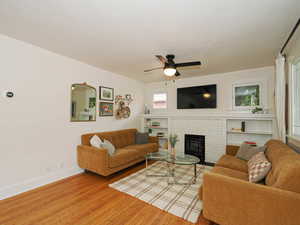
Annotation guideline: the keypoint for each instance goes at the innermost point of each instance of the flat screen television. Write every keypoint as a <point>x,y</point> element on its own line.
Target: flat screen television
<point>198,97</point>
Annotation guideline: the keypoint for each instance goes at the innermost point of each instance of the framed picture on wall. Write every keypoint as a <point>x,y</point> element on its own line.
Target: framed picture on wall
<point>247,96</point>
<point>106,93</point>
<point>106,109</point>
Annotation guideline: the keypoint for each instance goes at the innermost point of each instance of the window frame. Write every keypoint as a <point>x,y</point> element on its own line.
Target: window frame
<point>292,83</point>
<point>156,93</point>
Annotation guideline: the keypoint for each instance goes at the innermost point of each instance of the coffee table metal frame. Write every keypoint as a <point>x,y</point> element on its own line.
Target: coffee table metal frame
<point>170,164</point>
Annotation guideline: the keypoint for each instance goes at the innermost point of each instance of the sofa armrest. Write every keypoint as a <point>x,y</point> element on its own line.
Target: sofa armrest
<point>232,149</point>
<point>91,158</point>
<point>231,201</point>
<point>153,139</point>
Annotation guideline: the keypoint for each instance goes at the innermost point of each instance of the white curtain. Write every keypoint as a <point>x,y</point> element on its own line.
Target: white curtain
<point>280,97</point>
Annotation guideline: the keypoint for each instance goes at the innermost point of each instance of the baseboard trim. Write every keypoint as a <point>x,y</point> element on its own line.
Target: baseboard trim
<point>15,189</point>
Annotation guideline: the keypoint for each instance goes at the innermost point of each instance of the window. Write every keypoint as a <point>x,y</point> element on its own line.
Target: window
<point>159,101</point>
<point>296,98</point>
<point>246,96</point>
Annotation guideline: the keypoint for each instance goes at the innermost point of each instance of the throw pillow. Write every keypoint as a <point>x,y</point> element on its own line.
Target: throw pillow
<point>246,151</point>
<point>141,138</point>
<point>109,147</point>
<point>258,167</point>
<point>95,141</point>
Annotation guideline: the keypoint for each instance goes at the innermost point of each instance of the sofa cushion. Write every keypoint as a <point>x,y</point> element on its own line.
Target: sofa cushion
<point>96,141</point>
<point>232,162</point>
<point>274,153</point>
<point>109,147</point>
<point>286,174</point>
<point>122,157</point>
<point>141,138</point>
<point>119,138</point>
<point>144,148</point>
<point>230,173</point>
<point>246,151</point>
<point>258,167</point>
<point>226,172</point>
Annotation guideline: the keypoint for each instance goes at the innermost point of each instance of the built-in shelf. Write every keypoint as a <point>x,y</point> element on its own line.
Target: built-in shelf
<point>234,143</point>
<point>258,130</point>
<point>161,128</point>
<point>250,132</point>
<point>156,127</point>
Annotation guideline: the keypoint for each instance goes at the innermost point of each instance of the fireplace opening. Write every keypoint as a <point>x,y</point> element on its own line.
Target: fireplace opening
<point>195,145</point>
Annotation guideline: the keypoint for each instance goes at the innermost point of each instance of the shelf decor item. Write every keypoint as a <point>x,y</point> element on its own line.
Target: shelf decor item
<point>106,93</point>
<point>173,139</point>
<point>155,124</point>
<point>243,126</point>
<point>160,134</point>
<point>257,110</point>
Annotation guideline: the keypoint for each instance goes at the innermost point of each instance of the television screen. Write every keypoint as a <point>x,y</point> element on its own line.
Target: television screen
<point>199,97</point>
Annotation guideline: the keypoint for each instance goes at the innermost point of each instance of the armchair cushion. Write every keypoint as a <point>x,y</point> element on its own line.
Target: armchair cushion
<point>231,162</point>
<point>226,172</point>
<point>246,151</point>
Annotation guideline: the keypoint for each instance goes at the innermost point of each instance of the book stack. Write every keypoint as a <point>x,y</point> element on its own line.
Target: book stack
<point>252,143</point>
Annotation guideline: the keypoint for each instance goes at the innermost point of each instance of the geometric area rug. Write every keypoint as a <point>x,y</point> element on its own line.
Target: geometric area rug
<point>179,200</point>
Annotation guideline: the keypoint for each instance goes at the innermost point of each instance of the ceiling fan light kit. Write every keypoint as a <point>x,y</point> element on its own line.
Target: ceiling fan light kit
<point>170,67</point>
<point>169,71</point>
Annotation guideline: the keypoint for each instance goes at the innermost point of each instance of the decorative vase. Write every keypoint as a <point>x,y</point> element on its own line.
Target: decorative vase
<point>173,152</point>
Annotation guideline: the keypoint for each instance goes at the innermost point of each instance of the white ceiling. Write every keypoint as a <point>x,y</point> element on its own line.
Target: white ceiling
<point>123,36</point>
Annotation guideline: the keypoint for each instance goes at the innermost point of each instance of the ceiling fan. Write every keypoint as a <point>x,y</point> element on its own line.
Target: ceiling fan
<point>170,67</point>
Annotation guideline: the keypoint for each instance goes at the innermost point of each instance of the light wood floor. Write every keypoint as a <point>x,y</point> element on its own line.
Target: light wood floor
<point>84,199</point>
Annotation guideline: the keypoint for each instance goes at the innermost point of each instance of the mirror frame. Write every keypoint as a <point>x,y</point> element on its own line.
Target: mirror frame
<point>82,84</point>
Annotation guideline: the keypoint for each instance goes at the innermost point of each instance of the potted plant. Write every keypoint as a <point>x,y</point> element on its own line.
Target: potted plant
<point>173,139</point>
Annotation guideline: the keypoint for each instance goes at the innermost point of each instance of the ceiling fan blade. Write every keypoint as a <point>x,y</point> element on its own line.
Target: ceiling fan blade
<point>196,63</point>
<point>149,70</point>
<point>177,73</point>
<point>162,59</point>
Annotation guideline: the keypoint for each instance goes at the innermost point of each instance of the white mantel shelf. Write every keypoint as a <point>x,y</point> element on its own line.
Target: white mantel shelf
<point>243,116</point>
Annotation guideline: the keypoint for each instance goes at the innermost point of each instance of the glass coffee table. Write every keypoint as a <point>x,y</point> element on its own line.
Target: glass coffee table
<point>157,156</point>
<point>171,162</point>
<point>184,159</point>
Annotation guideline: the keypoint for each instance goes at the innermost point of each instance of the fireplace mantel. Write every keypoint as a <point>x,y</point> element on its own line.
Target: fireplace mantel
<point>216,127</point>
<point>235,115</point>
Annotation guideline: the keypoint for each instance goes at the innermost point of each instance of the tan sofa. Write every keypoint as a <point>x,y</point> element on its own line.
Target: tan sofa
<point>229,199</point>
<point>127,152</point>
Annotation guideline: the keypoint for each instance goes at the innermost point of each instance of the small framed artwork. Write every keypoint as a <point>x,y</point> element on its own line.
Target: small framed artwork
<point>247,96</point>
<point>106,109</point>
<point>106,93</point>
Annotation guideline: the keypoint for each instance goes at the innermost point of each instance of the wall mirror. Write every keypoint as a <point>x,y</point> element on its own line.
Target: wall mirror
<point>83,103</point>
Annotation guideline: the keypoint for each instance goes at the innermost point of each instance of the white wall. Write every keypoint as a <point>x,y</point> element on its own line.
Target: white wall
<point>38,141</point>
<point>224,83</point>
